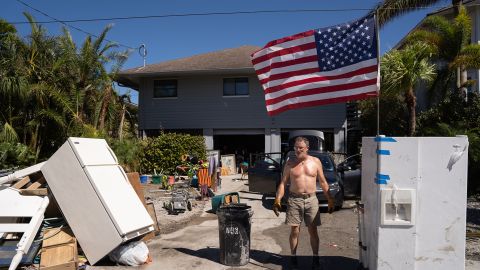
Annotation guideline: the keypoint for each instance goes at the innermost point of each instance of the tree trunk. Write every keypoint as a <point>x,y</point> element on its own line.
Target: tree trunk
<point>103,111</point>
<point>122,119</point>
<point>462,78</point>
<point>411,104</point>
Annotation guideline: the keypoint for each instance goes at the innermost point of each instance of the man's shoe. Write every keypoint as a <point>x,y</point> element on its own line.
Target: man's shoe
<point>293,262</point>
<point>316,263</point>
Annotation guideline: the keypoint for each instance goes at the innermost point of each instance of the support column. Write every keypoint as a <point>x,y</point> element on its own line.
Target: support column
<point>272,140</point>
<point>208,135</point>
<point>339,140</point>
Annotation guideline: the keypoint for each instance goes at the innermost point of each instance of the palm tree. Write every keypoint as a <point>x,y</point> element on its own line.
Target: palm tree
<point>391,9</point>
<point>450,45</point>
<point>118,59</point>
<point>13,83</point>
<point>402,70</point>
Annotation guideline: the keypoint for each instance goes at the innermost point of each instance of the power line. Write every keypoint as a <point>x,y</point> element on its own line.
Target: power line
<point>207,14</point>
<point>68,25</point>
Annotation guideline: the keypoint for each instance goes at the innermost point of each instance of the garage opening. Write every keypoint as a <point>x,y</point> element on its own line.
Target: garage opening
<point>239,145</point>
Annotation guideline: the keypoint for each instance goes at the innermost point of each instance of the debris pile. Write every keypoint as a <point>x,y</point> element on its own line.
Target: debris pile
<point>76,208</point>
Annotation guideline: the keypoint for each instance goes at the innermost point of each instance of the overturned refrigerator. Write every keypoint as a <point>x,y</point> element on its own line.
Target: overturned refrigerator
<point>414,193</point>
<point>95,196</point>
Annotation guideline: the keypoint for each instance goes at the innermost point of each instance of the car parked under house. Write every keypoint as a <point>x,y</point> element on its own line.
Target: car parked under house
<point>265,174</point>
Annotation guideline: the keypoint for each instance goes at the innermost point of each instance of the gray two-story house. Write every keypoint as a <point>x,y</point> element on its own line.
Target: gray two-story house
<point>218,95</point>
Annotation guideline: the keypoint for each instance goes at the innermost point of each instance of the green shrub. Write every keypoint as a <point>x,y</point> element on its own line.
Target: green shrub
<point>164,152</point>
<point>15,155</point>
<point>128,152</point>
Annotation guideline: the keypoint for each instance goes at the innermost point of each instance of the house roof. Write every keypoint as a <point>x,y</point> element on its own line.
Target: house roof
<point>225,61</point>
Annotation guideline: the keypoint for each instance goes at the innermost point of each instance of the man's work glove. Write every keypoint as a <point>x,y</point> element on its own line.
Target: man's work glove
<point>277,207</point>
<point>331,205</point>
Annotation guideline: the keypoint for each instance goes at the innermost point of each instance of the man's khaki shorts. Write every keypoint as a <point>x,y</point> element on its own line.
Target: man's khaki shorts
<point>300,209</point>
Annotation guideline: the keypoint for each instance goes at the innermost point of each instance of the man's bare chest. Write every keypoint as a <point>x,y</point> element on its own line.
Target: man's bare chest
<point>303,169</point>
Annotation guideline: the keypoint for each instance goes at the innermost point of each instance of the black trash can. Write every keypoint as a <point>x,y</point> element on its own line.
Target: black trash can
<point>234,222</point>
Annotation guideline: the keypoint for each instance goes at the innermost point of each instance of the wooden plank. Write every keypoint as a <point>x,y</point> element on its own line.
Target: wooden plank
<point>37,184</point>
<point>153,214</point>
<point>21,183</point>
<point>59,250</point>
<point>151,211</point>
<point>34,192</point>
<point>58,236</point>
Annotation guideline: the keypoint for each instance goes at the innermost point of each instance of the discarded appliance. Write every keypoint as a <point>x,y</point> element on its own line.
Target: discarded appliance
<point>414,194</point>
<point>179,203</point>
<point>95,196</point>
<point>14,209</point>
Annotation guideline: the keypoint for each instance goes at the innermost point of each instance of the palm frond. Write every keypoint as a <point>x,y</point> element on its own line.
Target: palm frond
<point>48,114</point>
<point>388,10</point>
<point>463,27</point>
<point>469,57</point>
<point>98,42</point>
<point>8,134</point>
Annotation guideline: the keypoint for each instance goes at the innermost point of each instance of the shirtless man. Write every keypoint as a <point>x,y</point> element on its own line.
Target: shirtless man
<point>302,173</point>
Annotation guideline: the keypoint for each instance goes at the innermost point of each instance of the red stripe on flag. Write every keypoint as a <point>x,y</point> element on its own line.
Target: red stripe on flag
<point>286,39</point>
<point>325,89</point>
<point>290,74</point>
<point>322,102</point>
<point>290,50</point>
<point>303,60</point>
<point>321,78</point>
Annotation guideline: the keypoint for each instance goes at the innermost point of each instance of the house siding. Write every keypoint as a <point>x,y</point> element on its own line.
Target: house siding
<point>200,104</point>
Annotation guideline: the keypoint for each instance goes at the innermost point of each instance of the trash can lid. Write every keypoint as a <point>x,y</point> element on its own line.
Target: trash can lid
<point>235,206</point>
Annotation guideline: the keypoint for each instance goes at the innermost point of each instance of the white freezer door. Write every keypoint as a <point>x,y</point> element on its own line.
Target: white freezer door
<point>92,151</point>
<point>119,198</point>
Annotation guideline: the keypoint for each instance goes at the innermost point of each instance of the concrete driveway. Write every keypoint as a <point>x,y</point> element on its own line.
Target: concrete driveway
<point>197,245</point>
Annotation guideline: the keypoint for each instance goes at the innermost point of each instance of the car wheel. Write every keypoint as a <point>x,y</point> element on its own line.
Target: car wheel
<point>339,198</point>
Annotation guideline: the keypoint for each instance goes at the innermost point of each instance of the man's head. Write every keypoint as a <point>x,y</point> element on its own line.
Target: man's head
<point>301,147</point>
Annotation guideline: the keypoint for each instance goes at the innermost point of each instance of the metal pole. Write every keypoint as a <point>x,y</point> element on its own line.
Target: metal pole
<point>379,77</point>
<point>142,50</point>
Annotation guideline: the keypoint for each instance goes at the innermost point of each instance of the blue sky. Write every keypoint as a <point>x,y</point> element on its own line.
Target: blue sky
<point>177,37</point>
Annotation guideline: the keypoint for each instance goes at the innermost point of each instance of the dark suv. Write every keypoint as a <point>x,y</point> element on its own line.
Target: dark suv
<point>265,175</point>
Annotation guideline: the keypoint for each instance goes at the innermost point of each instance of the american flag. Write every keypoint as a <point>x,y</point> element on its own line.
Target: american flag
<point>322,66</point>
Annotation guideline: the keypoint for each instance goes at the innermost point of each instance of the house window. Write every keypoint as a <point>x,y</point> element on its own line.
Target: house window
<point>164,88</point>
<point>235,87</point>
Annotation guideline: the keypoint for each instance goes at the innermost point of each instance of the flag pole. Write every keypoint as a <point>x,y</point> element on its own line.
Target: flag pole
<point>379,77</point>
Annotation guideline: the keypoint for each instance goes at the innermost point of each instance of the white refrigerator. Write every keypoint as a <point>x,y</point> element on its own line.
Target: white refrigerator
<point>95,196</point>
<point>414,192</point>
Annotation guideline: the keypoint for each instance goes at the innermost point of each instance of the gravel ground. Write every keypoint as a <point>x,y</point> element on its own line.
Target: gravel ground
<point>472,250</point>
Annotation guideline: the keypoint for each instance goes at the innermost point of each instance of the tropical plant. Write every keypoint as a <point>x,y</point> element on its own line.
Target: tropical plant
<point>391,9</point>
<point>402,70</point>
<point>165,151</point>
<point>393,116</point>
<point>450,45</point>
<point>14,155</point>
<point>50,89</point>
<point>127,151</point>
